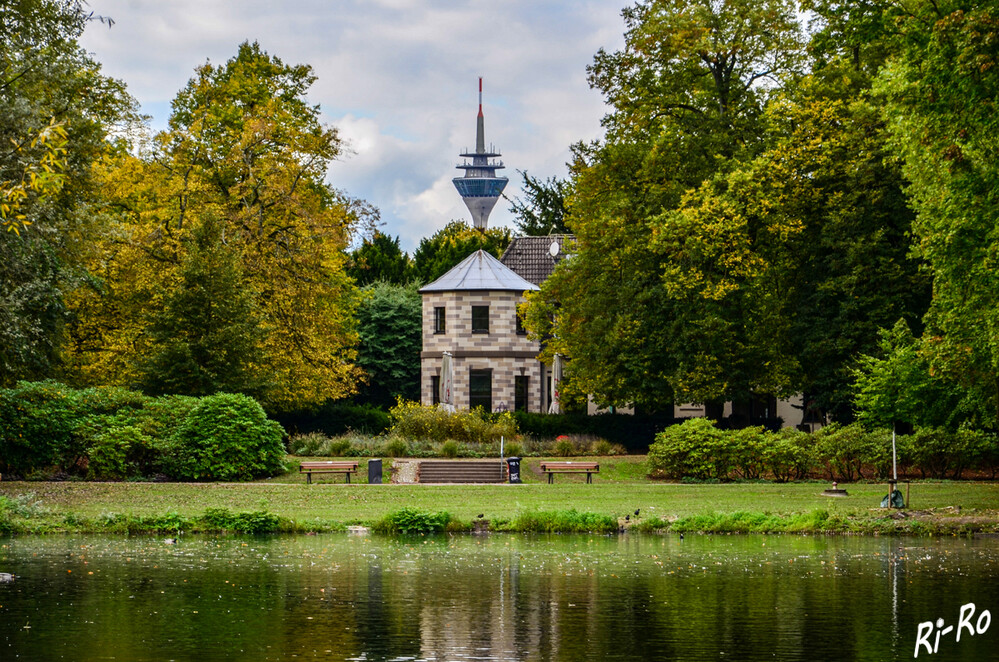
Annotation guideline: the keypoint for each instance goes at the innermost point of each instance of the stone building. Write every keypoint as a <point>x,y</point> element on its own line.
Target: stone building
<point>471,312</point>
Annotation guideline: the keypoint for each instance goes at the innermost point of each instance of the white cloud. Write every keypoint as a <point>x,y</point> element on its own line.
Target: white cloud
<point>397,77</point>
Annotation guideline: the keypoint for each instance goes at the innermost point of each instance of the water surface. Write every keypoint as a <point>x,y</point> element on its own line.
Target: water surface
<point>498,597</point>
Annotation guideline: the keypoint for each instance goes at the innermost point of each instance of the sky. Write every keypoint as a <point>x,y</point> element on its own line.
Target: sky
<point>397,78</point>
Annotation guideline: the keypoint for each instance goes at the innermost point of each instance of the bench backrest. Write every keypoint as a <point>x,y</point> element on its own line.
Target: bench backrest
<point>569,465</point>
<point>327,465</point>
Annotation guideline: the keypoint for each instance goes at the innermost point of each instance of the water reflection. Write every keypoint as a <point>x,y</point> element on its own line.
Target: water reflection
<point>490,597</point>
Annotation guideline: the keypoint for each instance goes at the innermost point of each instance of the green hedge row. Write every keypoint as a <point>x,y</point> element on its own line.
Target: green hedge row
<point>48,429</point>
<point>697,449</point>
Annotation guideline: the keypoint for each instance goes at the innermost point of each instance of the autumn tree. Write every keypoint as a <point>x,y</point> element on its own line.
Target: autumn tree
<point>57,113</point>
<point>243,147</point>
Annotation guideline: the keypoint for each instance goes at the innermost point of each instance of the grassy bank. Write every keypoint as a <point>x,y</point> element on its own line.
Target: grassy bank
<point>286,504</point>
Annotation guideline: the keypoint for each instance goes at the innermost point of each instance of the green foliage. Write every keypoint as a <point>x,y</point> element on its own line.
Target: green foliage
<point>939,95</point>
<point>788,454</point>
<point>253,523</point>
<point>412,521</point>
<point>563,447</point>
<point>226,437</point>
<point>439,253</point>
<point>334,418</point>
<point>380,260</point>
<point>37,427</point>
<point>208,336</point>
<point>450,448</point>
<point>417,422</point>
<point>390,323</point>
<point>900,385</point>
<point>57,113</point>
<point>562,521</point>
<point>396,447</point>
<point>695,449</point>
<point>543,211</point>
<point>108,457</point>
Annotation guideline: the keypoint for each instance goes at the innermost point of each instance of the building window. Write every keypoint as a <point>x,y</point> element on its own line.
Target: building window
<point>439,320</point>
<point>435,389</point>
<point>521,331</point>
<point>480,319</point>
<point>480,389</point>
<point>520,392</point>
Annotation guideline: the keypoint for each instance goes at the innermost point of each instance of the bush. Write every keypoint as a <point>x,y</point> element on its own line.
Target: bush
<point>396,447</point>
<point>563,447</point>
<point>694,449</point>
<point>418,423</point>
<point>37,427</point>
<point>113,454</point>
<point>788,454</point>
<point>336,418</point>
<point>409,521</point>
<point>449,448</point>
<point>221,519</point>
<point>226,437</point>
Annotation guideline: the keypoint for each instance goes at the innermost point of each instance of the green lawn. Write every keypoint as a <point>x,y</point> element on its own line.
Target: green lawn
<point>620,489</point>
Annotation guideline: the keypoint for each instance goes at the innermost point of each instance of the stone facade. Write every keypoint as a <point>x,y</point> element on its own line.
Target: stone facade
<point>502,350</point>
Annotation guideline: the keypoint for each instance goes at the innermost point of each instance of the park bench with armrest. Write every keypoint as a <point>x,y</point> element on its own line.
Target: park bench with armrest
<point>345,467</point>
<point>552,468</point>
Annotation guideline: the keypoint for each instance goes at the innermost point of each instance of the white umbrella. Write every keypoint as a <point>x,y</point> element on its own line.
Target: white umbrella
<point>556,405</point>
<point>447,384</point>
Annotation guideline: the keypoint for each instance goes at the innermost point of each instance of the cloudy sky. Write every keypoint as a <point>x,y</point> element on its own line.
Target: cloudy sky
<point>399,78</point>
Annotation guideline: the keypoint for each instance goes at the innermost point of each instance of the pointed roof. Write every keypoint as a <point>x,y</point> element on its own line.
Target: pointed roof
<point>479,271</point>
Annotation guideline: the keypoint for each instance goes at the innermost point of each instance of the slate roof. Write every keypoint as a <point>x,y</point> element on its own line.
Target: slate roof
<point>529,257</point>
<point>479,271</point>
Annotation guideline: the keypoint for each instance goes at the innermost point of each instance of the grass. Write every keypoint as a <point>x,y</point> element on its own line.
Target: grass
<point>619,489</point>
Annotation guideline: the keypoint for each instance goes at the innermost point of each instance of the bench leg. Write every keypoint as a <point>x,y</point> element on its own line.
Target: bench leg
<point>308,478</point>
<point>550,477</point>
<point>348,476</point>
<point>589,477</point>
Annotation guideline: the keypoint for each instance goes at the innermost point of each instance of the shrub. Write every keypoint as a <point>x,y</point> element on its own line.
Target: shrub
<point>449,448</point>
<point>409,521</point>
<point>513,449</point>
<point>747,451</point>
<point>309,444</point>
<point>113,454</point>
<point>788,454</point>
<point>842,449</point>
<point>563,521</point>
<point>221,519</point>
<point>564,447</point>
<point>418,423</point>
<point>694,449</point>
<point>37,425</point>
<point>226,437</point>
<point>397,447</point>
<point>602,447</point>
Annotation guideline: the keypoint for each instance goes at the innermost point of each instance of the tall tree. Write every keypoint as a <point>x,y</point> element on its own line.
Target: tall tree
<point>208,336</point>
<point>687,96</point>
<point>57,112</point>
<point>942,88</point>
<point>542,211</point>
<point>390,326</point>
<point>244,147</point>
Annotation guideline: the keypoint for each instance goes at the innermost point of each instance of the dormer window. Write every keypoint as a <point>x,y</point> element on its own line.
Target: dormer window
<point>480,319</point>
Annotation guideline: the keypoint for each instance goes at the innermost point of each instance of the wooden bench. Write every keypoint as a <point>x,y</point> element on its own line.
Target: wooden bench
<point>345,468</point>
<point>552,468</point>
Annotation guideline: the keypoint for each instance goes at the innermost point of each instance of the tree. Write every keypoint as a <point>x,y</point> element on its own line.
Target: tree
<point>941,90</point>
<point>207,337</point>
<point>379,259</point>
<point>390,326</point>
<point>543,211</point>
<point>243,147</point>
<point>898,384</point>
<point>687,93</point>
<point>439,253</point>
<point>57,112</point>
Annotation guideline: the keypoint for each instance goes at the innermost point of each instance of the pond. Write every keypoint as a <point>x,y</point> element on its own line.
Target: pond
<point>498,597</point>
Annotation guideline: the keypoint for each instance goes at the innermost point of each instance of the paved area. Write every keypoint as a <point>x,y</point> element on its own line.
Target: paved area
<point>405,471</point>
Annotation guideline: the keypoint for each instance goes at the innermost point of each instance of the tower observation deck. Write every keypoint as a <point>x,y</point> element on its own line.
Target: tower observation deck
<point>480,188</point>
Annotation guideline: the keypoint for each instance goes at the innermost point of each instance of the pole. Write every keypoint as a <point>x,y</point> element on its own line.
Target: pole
<point>894,463</point>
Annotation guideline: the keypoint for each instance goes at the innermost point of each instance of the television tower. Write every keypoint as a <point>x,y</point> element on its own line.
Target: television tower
<point>480,188</point>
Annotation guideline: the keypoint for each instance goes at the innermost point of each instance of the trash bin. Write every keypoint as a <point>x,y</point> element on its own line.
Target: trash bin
<point>513,463</point>
<point>374,472</point>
